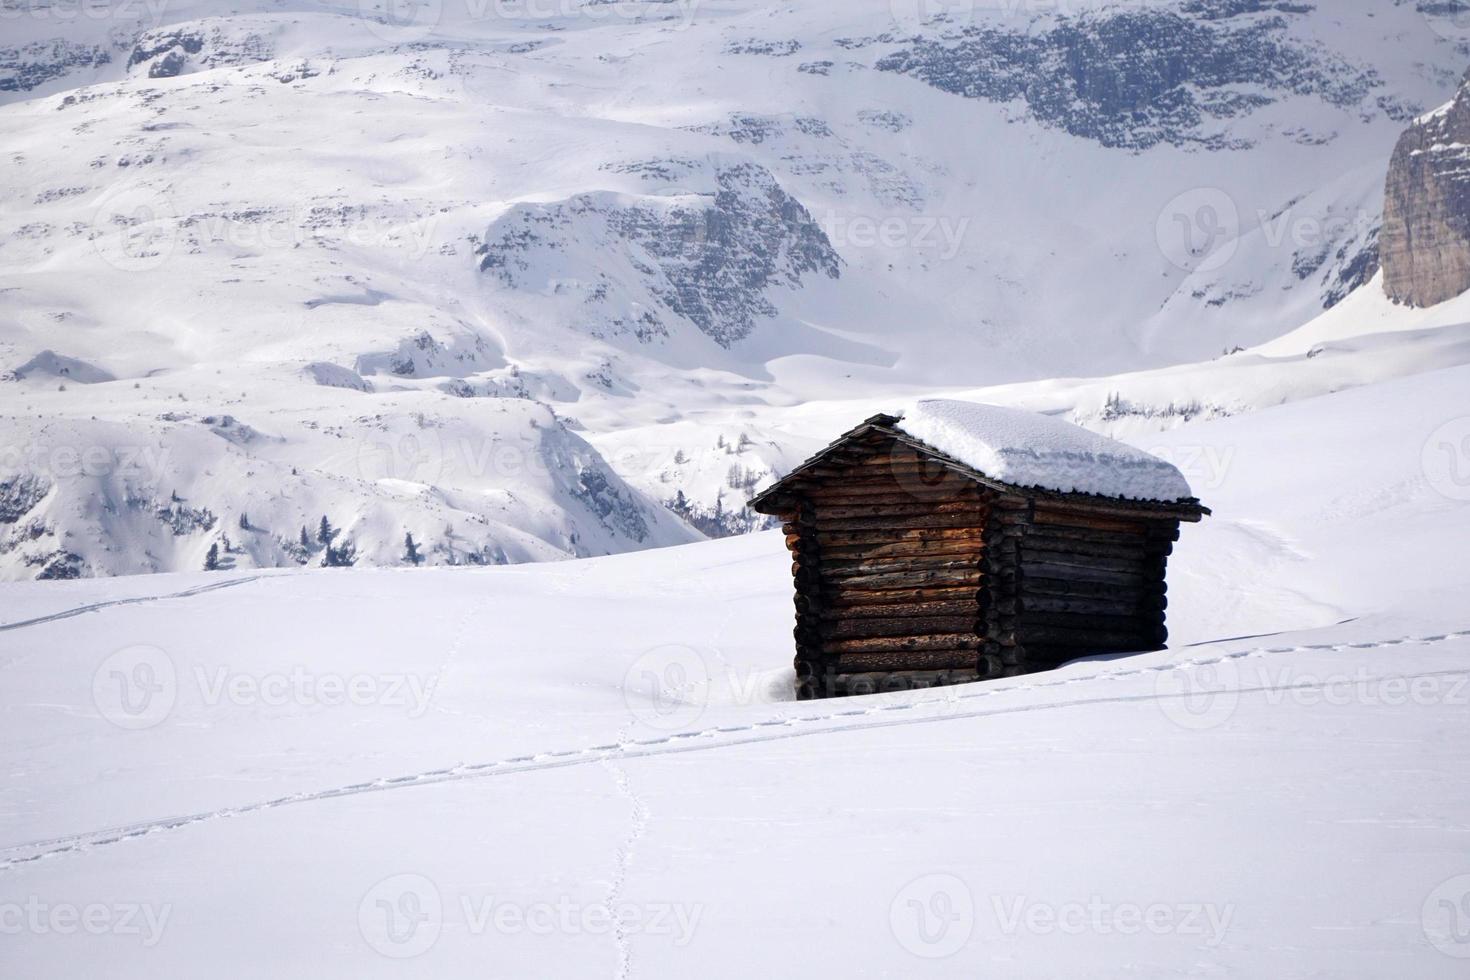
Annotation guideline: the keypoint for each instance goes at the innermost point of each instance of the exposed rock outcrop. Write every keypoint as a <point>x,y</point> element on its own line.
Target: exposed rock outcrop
<point>1134,79</point>
<point>1426,211</point>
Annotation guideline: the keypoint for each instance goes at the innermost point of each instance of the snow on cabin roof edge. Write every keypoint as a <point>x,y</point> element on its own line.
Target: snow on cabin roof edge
<point>1151,481</point>
<point>1031,450</point>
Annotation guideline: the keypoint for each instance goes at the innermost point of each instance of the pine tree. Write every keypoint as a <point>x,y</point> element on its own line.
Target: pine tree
<point>325,533</point>
<point>411,550</point>
<point>211,560</point>
<point>244,522</point>
<point>305,539</point>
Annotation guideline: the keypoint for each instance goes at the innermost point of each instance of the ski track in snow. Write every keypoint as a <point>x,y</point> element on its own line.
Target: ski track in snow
<point>109,603</point>
<point>638,822</point>
<point>767,730</point>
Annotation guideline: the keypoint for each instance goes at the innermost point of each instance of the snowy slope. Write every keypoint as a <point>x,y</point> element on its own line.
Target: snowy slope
<point>650,218</point>
<point>456,772</point>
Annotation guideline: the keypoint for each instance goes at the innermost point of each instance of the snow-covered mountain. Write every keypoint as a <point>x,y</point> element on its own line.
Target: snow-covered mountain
<point>531,279</point>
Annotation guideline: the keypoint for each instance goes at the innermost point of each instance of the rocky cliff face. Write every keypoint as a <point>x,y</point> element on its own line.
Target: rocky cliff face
<point>1426,216</point>
<point>1135,79</point>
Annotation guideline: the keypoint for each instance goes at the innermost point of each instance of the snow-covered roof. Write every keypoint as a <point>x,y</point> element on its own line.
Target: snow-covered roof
<point>1025,449</point>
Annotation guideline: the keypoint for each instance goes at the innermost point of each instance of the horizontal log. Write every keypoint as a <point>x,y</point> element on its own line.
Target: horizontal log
<point>1143,623</point>
<point>844,596</point>
<point>838,568</point>
<point>935,641</point>
<point>1122,605</point>
<point>1122,511</point>
<point>1034,584</point>
<point>858,488</point>
<point>1065,533</point>
<point>1100,640</point>
<point>1132,564</point>
<point>950,549</point>
<point>841,539</point>
<point>898,610</point>
<point>903,506</point>
<point>857,663</point>
<point>880,523</point>
<point>1046,517</point>
<point>860,627</point>
<point>1138,550</point>
<point>904,580</point>
<point>854,685</point>
<point>1076,573</point>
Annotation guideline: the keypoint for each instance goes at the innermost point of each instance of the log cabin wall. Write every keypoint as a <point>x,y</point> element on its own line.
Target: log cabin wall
<point>888,556</point>
<point>1086,580</point>
<point>913,570</point>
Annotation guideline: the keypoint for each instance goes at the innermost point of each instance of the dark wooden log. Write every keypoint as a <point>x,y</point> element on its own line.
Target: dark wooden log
<point>1060,532</point>
<point>857,663</point>
<point>901,506</point>
<point>1101,640</point>
<point>1061,571</point>
<point>1084,622</point>
<point>841,596</point>
<point>880,523</point>
<point>1089,519</point>
<point>905,580</point>
<point>898,610</point>
<point>884,536</point>
<point>935,641</point>
<point>899,680</point>
<point>1121,605</point>
<point>1137,564</point>
<point>1034,584</point>
<point>838,568</point>
<point>858,628</point>
<point>942,550</point>
<point>1137,551</point>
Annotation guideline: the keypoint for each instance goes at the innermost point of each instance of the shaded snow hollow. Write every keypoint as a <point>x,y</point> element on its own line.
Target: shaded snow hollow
<point>1025,449</point>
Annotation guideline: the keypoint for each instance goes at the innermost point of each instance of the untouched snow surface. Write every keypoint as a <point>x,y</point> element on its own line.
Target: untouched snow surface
<point>473,772</point>
<point>1027,449</point>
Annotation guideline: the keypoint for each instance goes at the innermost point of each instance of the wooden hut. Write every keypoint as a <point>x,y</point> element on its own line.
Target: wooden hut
<point>961,542</point>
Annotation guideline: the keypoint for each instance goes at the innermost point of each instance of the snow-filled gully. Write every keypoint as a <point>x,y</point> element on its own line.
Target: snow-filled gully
<point>856,718</point>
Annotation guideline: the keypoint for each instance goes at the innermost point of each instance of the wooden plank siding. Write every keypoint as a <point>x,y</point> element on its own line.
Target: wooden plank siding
<point>912,571</point>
